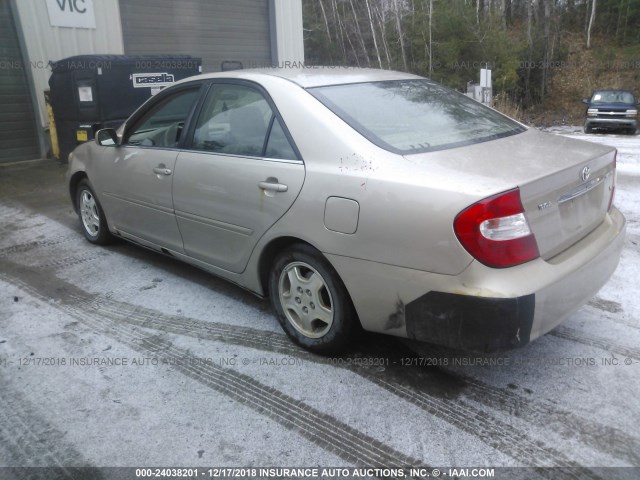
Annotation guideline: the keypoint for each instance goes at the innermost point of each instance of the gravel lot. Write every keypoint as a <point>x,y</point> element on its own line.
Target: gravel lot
<point>121,357</point>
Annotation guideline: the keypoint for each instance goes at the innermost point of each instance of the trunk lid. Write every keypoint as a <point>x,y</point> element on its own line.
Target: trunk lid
<point>565,184</point>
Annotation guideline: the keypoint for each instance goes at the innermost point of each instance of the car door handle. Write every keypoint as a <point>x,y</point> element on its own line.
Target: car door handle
<point>273,187</point>
<point>162,171</point>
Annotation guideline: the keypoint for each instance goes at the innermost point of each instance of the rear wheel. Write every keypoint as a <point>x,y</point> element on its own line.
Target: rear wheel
<point>311,302</point>
<point>94,224</point>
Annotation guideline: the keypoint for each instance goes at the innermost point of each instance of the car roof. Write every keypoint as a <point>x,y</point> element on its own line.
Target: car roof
<point>308,77</point>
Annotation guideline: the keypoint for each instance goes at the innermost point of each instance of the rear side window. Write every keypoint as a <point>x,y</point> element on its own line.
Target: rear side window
<point>238,120</point>
<point>413,116</point>
<point>278,145</point>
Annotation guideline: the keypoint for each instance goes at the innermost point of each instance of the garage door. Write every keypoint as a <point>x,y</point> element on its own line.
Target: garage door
<point>214,30</point>
<point>18,134</point>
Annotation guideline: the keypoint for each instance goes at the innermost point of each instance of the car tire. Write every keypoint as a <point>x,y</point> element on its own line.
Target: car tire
<point>92,219</point>
<point>311,302</point>
<point>588,129</point>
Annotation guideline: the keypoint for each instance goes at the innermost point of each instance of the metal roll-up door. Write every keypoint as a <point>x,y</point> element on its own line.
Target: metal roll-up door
<point>213,30</point>
<point>18,132</point>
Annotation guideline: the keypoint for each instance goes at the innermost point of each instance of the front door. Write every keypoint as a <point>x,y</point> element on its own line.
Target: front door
<point>137,183</point>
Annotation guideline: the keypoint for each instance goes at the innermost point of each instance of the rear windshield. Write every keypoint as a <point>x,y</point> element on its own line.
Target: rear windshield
<point>413,116</point>
<point>613,97</point>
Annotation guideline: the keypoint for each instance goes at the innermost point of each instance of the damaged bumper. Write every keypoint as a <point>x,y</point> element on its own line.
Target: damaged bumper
<point>483,309</point>
<point>471,323</point>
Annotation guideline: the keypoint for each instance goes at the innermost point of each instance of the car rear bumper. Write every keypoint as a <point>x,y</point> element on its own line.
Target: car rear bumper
<point>466,322</point>
<point>559,299</point>
<point>483,308</point>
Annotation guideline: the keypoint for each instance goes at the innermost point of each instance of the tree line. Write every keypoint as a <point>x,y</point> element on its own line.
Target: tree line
<point>450,40</point>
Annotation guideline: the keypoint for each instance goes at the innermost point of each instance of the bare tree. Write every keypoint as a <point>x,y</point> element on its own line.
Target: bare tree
<point>430,38</point>
<point>529,18</point>
<point>503,12</point>
<point>383,30</point>
<point>400,34</point>
<point>591,20</point>
<point>479,10</point>
<point>359,33</point>
<point>545,56</point>
<point>373,33</point>
<point>626,21</point>
<point>527,78</point>
<point>326,22</point>
<point>345,34</point>
<point>338,28</point>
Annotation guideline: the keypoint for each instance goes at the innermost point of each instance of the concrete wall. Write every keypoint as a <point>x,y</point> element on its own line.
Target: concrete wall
<point>287,43</point>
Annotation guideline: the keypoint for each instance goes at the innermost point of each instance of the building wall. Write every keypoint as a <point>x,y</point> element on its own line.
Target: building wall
<point>46,43</point>
<point>286,32</point>
<point>257,33</point>
<point>18,130</point>
<point>236,30</point>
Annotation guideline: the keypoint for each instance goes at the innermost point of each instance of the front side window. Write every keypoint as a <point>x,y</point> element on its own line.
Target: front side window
<point>162,126</point>
<point>238,120</point>
<point>413,116</point>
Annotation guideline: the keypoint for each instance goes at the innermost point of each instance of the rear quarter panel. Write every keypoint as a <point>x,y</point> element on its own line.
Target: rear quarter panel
<point>406,211</point>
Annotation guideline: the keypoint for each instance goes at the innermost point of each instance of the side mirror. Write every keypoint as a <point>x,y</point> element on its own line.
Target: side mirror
<point>107,137</point>
<point>585,101</point>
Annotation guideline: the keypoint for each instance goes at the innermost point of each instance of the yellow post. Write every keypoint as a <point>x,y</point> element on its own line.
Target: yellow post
<point>53,132</point>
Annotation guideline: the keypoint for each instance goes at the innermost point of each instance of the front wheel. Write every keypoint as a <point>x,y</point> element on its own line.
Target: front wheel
<point>94,224</point>
<point>311,303</point>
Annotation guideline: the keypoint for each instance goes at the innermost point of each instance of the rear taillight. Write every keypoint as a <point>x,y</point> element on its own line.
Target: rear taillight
<point>613,182</point>
<point>496,232</point>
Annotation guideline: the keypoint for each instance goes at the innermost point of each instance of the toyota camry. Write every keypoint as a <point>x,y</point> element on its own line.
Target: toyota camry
<point>360,198</point>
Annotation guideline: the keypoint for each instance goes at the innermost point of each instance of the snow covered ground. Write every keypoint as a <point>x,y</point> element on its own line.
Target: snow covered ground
<point>628,145</point>
<point>120,357</point>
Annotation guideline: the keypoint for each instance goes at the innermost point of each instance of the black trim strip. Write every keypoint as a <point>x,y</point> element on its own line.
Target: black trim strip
<point>468,322</point>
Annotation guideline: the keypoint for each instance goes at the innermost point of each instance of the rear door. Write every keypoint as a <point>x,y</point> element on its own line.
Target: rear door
<point>240,174</point>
